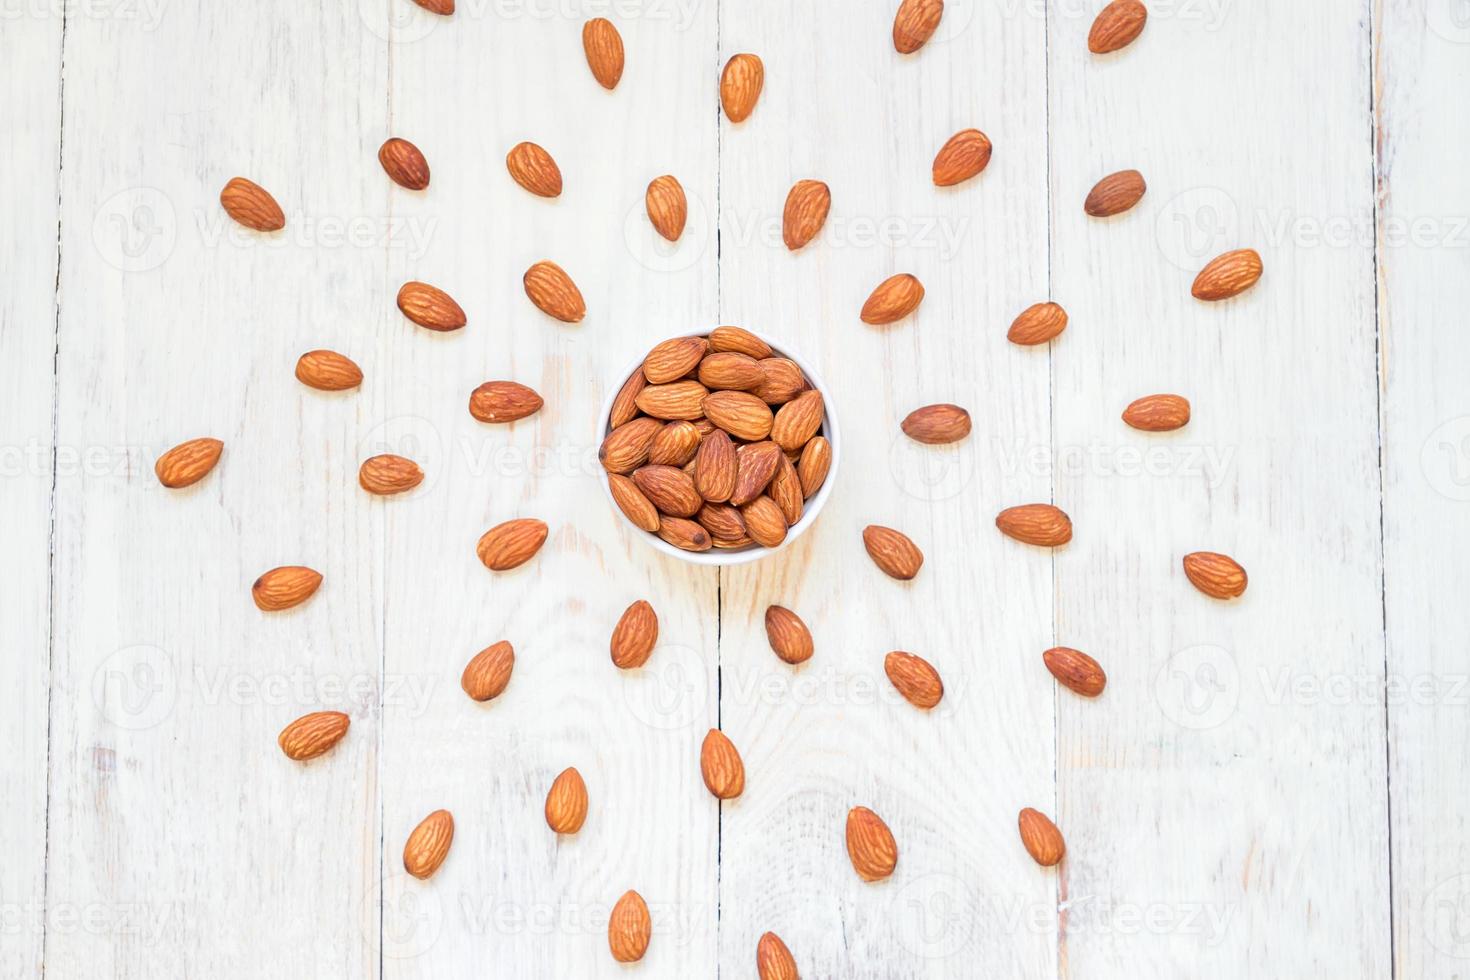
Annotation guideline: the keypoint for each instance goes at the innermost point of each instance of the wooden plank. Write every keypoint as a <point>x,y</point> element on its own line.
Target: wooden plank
<point>1223,798</point>
<point>842,106</point>
<point>1422,240</point>
<point>513,894</point>
<point>30,59</point>
<point>184,843</point>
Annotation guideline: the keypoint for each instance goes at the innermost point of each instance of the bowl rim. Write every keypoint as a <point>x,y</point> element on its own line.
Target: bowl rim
<point>813,508</point>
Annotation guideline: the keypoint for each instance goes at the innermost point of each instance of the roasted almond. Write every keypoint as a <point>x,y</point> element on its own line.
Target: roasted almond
<point>1042,839</point>
<point>1228,275</point>
<point>513,543</point>
<point>716,467</point>
<point>252,205</point>
<point>915,23</point>
<point>488,672</point>
<point>631,501</point>
<point>773,961</point>
<point>674,445</point>
<point>740,341</point>
<point>670,489</point>
<point>673,359</point>
<point>964,155</point>
<point>870,845</point>
<point>781,381</point>
<point>740,86</point>
<point>681,400</point>
<point>629,928</point>
<point>312,735</point>
<point>554,293</point>
<point>603,46</point>
<point>667,206</point>
<point>764,522</point>
<point>895,298</point>
<point>1115,194</point>
<point>387,474</point>
<point>1037,324</point>
<point>1158,413</point>
<point>812,468</point>
<point>442,7</point>
<point>326,370</point>
<point>684,534</point>
<point>741,414</point>
<point>635,636</point>
<point>807,205</point>
<point>892,551</point>
<point>785,490</point>
<point>1216,575</point>
<point>755,464</point>
<point>719,763</point>
<point>1038,524</point>
<point>729,371</point>
<point>503,401</point>
<point>534,169</point>
<point>430,307</point>
<point>428,845</point>
<point>1075,671</point>
<point>1117,26</point>
<point>722,521</point>
<point>188,462</point>
<point>915,678</point>
<point>284,587</point>
<point>937,424</point>
<point>566,802</point>
<point>798,420</point>
<point>625,402</point>
<point>626,448</point>
<point>788,635</point>
<point>404,164</point>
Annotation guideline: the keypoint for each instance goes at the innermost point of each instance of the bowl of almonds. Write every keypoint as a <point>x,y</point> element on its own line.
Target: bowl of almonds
<point>719,448</point>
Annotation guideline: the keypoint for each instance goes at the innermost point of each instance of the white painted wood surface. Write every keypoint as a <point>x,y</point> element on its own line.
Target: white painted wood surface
<point>1228,802</point>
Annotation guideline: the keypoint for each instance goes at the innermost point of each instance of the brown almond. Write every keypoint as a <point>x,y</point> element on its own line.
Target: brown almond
<point>785,490</point>
<point>674,445</point>
<point>428,845</point>
<point>635,636</point>
<point>566,802</point>
<point>503,401</point>
<point>1216,575</point>
<point>534,169</point>
<point>1117,26</point>
<point>1042,839</point>
<point>1158,413</point>
<point>798,420</point>
<point>740,86</point>
<point>387,474</point>
<point>963,155</point>
<point>722,521</point>
<point>629,928</point>
<point>937,425</point>
<point>673,359</point>
<point>915,678</point>
<point>719,763</point>
<point>1115,194</point>
<point>441,7</point>
<point>892,551</point>
<point>326,370</point>
<point>915,23</point>
<point>745,541</point>
<point>716,467</point>
<point>667,206</point>
<point>870,845</point>
<point>741,414</point>
<point>1038,524</point>
<point>554,293</point>
<point>788,635</point>
<point>188,462</point>
<point>740,341</point>
<point>1228,275</point>
<point>626,448</point>
<point>1037,324</point>
<point>625,402</point>
<point>729,371</point>
<point>486,675</point>
<point>812,468</point>
<point>631,501</point>
<point>430,307</point>
<point>807,204</point>
<point>764,522</point>
<point>773,961</point>
<point>670,489</point>
<point>252,205</point>
<point>895,298</point>
<point>404,164</point>
<point>284,587</point>
<point>507,545</point>
<point>1075,671</point>
<point>781,381</point>
<point>312,735</point>
<point>603,46</point>
<point>684,534</point>
<point>679,401</point>
<point>755,464</point>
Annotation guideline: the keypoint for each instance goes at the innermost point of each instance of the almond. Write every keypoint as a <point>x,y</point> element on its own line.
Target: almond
<point>915,678</point>
<point>870,845</point>
<point>630,500</point>
<point>667,206</point>
<point>681,400</point>
<point>716,467</point>
<point>895,298</point>
<point>1115,194</point>
<point>892,551</point>
<point>740,86</point>
<point>1228,275</point>
<point>1117,26</point>
<point>744,541</point>
<point>327,370</point>
<point>937,425</point>
<point>812,468</point>
<point>1158,413</point>
<point>673,359</point>
<point>625,403</point>
<point>1218,576</point>
<point>626,448</point>
<point>764,522</point>
<point>284,587</point>
<point>670,489</point>
<point>964,155</point>
<point>755,465</point>
<point>739,341</point>
<point>388,474</point>
<point>554,293</point>
<point>534,169</point>
<point>788,635</point>
<point>674,445</point>
<point>503,401</point>
<point>629,928</point>
<point>915,23</point>
<point>684,534</point>
<point>719,763</point>
<point>1075,671</point>
<point>1041,838</point>
<point>773,961</point>
<point>513,543</point>
<point>251,205</point>
<point>807,204</point>
<point>404,163</point>
<point>442,7</point>
<point>798,420</point>
<point>603,46</point>
<point>430,307</point>
<point>312,735</point>
<point>566,802</point>
<point>635,636</point>
<point>488,672</point>
<point>1037,324</point>
<point>188,462</point>
<point>785,490</point>
<point>729,371</point>
<point>722,521</point>
<point>739,413</point>
<point>781,381</point>
<point>428,845</point>
<point>1038,524</point>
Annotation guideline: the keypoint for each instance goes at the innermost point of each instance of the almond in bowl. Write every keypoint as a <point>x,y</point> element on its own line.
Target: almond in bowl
<point>719,448</point>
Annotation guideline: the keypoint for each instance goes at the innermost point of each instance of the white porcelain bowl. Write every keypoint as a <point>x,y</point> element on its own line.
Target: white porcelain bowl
<point>720,556</point>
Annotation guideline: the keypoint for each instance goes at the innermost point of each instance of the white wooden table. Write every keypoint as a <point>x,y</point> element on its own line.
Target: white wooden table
<point>1270,787</point>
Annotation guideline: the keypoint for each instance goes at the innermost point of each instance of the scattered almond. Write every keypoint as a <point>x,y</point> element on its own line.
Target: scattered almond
<point>667,206</point>
<point>1075,671</point>
<point>486,675</point>
<point>915,678</point>
<point>1037,324</point>
<point>719,762</point>
<point>1218,576</point>
<point>534,169</point>
<point>552,290</point>
<point>807,205</point>
<point>188,462</point>
<point>740,86</point>
<point>915,23</point>
<point>1228,275</point>
<point>252,205</point>
<point>507,545</point>
<point>773,961</point>
<point>1117,26</point>
<point>430,307</point>
<point>895,298</point>
<point>327,370</point>
<point>312,735</point>
<point>566,803</point>
<point>603,46</point>
<point>388,474</point>
<point>635,636</point>
<point>1042,839</point>
<point>428,845</point>
<point>1158,413</point>
<point>284,587</point>
<point>937,424</point>
<point>1038,524</point>
<point>892,551</point>
<point>964,155</point>
<point>629,928</point>
<point>870,845</point>
<point>404,163</point>
<point>1115,194</point>
<point>789,637</point>
<point>503,401</point>
<point>442,7</point>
